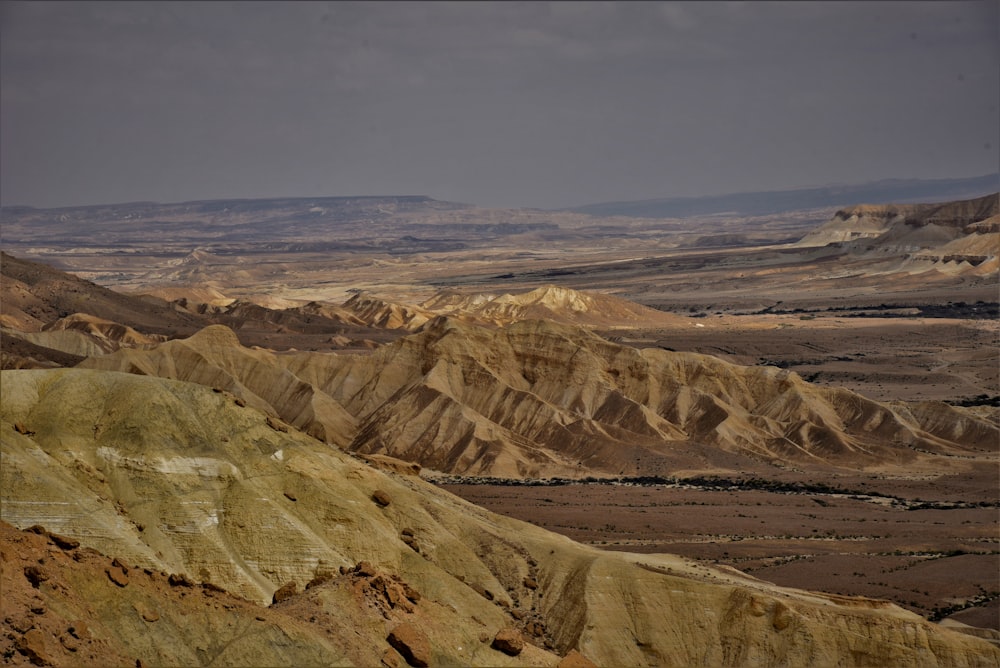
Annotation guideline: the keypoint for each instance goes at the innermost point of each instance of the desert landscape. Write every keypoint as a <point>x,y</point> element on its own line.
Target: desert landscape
<point>565,334</point>
<point>752,424</point>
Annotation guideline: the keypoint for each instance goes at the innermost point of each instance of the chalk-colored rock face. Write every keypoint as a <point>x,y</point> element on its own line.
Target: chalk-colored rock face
<point>174,477</point>
<point>541,399</point>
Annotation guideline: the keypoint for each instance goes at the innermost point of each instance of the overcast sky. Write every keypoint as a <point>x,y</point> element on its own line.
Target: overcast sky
<point>498,104</point>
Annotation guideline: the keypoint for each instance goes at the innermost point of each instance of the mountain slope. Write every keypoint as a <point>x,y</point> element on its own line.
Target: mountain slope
<point>56,313</point>
<point>172,477</point>
<point>539,399</point>
<point>45,294</point>
<point>214,357</point>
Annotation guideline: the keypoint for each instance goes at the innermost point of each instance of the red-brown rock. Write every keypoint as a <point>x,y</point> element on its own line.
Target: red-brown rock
<point>508,641</point>
<point>576,660</point>
<point>285,591</point>
<point>35,575</point>
<point>32,645</point>
<point>365,568</point>
<point>117,575</point>
<point>411,643</point>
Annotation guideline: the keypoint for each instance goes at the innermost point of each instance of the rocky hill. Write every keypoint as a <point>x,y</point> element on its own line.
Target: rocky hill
<point>47,314</point>
<point>540,399</point>
<point>378,312</point>
<point>549,302</point>
<point>35,295</point>
<point>179,514</point>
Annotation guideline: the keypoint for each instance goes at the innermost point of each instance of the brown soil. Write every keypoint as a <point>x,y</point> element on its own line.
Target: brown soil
<point>927,560</point>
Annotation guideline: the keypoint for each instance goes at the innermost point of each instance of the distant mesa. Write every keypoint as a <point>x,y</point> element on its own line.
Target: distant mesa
<point>921,224</point>
<point>956,238</point>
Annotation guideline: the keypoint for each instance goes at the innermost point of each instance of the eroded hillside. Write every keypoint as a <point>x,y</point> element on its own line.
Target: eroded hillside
<point>175,478</point>
<point>538,399</point>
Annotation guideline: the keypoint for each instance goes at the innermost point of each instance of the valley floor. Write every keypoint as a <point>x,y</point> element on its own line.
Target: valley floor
<point>934,560</point>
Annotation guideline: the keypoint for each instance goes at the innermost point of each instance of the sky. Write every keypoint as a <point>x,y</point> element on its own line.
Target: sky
<point>500,104</point>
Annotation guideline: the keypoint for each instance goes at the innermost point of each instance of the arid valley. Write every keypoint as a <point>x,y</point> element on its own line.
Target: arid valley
<point>717,439</point>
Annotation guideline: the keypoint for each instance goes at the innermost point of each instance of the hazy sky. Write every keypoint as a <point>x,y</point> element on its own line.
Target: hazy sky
<point>497,104</point>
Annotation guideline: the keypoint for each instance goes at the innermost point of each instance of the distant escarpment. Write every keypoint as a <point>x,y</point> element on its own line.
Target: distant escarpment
<point>924,225</point>
<point>174,526</point>
<point>952,238</point>
<point>538,399</point>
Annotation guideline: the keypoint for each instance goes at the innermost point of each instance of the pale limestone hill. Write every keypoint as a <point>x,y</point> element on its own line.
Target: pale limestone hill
<point>113,333</point>
<point>331,311</point>
<point>358,311</point>
<point>550,302</point>
<point>41,327</point>
<point>107,335</point>
<point>172,477</point>
<point>538,399</point>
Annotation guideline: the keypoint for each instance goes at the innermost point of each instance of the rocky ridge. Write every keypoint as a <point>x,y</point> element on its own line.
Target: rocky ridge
<point>548,302</point>
<point>538,399</point>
